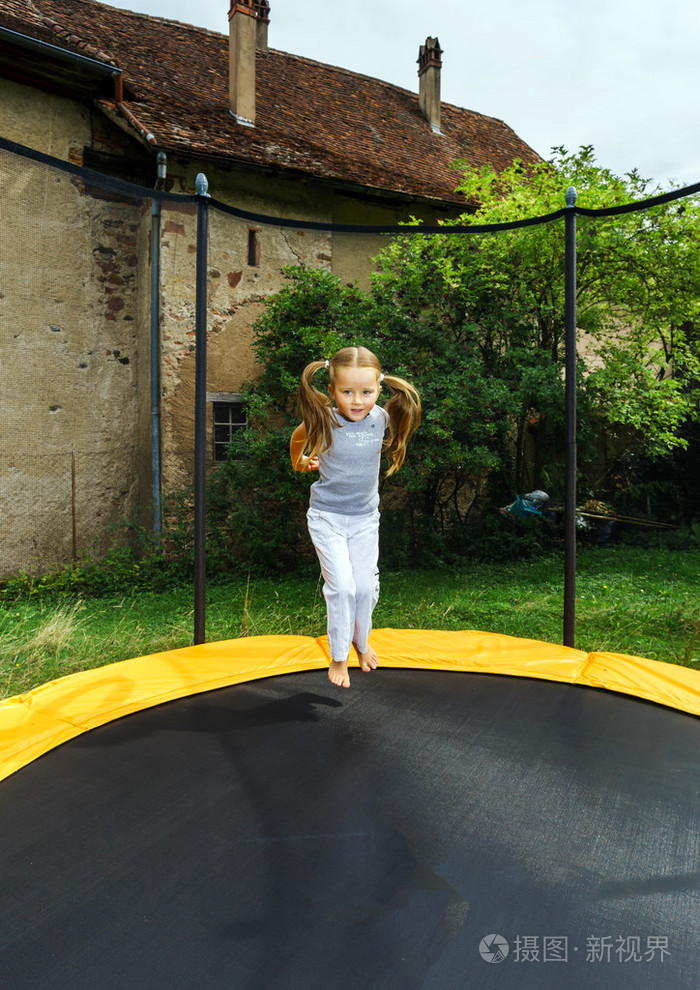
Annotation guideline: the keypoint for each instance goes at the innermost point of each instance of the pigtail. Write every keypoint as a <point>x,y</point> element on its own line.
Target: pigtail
<point>404,411</point>
<point>316,412</point>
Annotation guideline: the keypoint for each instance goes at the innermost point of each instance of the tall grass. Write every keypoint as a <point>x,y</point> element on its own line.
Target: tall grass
<point>629,600</point>
<point>39,647</point>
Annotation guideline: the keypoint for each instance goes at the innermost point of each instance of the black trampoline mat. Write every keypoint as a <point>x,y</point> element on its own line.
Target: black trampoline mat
<point>284,834</point>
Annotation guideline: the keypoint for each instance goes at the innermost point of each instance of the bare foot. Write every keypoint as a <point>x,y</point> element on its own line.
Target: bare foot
<point>368,660</point>
<point>338,673</point>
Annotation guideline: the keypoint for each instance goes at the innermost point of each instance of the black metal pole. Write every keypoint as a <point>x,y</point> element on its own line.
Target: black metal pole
<point>155,370</point>
<point>200,413</point>
<point>570,419</point>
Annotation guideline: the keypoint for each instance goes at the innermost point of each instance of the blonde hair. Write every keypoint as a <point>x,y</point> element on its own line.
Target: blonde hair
<point>403,408</point>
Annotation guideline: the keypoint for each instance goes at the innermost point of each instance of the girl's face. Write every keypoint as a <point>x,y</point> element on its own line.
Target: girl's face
<point>355,392</point>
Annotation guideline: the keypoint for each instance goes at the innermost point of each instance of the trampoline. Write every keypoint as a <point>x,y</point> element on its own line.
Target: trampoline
<point>230,820</point>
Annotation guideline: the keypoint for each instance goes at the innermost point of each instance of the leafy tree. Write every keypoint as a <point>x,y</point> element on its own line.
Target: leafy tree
<point>476,322</point>
<point>501,297</point>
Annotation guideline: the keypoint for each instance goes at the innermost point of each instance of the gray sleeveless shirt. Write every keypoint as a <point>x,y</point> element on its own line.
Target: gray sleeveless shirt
<point>349,471</point>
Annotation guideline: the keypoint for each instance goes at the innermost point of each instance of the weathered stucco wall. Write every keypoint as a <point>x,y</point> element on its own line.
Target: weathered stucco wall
<point>354,254</point>
<point>43,121</point>
<point>71,342</point>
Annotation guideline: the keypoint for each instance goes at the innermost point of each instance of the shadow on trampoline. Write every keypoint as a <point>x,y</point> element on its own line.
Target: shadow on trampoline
<point>204,716</point>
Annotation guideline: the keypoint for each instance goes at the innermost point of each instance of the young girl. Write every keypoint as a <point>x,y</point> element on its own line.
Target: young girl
<point>344,443</point>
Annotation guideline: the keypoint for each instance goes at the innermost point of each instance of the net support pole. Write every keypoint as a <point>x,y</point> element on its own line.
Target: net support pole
<point>200,411</point>
<point>570,419</point>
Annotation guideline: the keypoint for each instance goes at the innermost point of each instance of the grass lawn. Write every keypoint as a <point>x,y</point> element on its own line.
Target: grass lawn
<point>629,600</point>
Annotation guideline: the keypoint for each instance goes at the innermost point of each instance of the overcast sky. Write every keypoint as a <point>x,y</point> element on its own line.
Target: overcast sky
<point>622,75</point>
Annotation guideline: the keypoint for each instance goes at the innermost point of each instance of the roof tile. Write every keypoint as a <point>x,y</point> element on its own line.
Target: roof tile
<point>313,118</point>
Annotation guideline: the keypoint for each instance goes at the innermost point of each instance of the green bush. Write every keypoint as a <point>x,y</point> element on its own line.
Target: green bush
<point>137,566</point>
<point>256,507</point>
<point>121,568</point>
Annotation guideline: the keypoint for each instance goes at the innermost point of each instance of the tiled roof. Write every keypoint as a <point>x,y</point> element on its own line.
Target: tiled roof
<point>36,20</point>
<point>312,118</point>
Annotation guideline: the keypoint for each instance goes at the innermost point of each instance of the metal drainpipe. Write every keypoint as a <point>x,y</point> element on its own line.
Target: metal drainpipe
<point>155,350</point>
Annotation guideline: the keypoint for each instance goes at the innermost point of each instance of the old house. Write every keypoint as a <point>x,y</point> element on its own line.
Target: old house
<point>97,291</point>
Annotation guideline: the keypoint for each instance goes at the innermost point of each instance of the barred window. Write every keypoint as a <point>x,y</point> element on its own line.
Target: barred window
<point>229,416</point>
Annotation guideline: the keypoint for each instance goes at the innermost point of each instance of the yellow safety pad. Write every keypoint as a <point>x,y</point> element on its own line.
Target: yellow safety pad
<point>664,683</point>
<point>33,723</point>
<point>36,722</point>
<point>480,652</point>
<point>26,734</point>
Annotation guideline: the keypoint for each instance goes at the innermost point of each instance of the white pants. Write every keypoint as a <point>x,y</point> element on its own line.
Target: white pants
<point>348,549</point>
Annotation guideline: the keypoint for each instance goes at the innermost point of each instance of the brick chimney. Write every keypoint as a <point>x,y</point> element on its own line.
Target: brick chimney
<point>248,20</point>
<point>429,66</point>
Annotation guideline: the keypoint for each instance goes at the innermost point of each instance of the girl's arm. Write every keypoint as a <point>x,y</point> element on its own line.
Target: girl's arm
<point>296,446</point>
